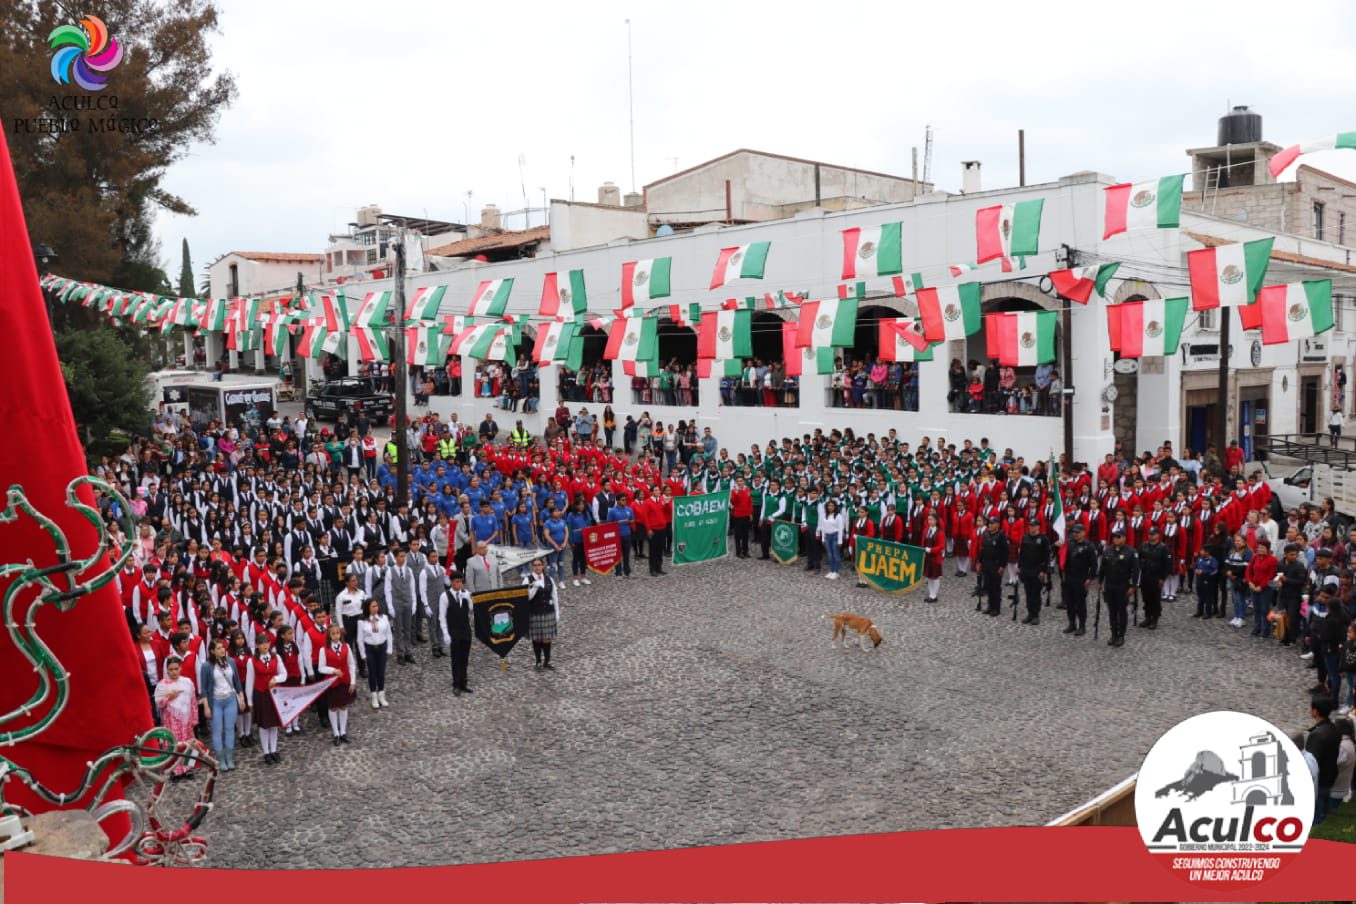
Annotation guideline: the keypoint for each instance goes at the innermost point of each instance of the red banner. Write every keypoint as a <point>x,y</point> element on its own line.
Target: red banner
<point>602,547</point>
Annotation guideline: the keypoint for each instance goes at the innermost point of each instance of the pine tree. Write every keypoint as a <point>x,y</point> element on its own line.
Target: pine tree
<point>186,275</point>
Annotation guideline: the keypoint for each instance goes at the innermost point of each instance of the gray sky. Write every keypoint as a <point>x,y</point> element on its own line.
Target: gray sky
<point>339,106</point>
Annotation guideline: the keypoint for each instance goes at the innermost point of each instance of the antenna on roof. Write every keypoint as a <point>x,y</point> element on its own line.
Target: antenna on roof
<point>522,180</point>
<point>572,178</point>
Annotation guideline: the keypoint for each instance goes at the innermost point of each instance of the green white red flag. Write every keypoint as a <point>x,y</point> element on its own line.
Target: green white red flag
<point>490,298</point>
<point>873,251</point>
<point>902,339</point>
<point>1156,204</point>
<point>1008,230</point>
<point>1298,310</point>
<point>1228,275</point>
<point>425,345</point>
<point>645,280</point>
<point>1022,338</point>
<point>1146,329</point>
<point>725,335</point>
<point>949,312</point>
<point>740,262</point>
<point>831,323</point>
<point>563,295</point>
<point>424,304</point>
<point>1079,283</point>
<point>1279,163</point>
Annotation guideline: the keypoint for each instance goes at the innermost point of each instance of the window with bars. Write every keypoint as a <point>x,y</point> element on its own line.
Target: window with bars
<point>1318,219</point>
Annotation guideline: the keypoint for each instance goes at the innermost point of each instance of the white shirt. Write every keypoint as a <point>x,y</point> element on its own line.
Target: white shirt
<point>349,604</point>
<point>375,636</point>
<point>831,525</point>
<point>222,687</point>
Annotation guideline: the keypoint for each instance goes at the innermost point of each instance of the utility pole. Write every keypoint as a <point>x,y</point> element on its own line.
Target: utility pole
<point>299,375</point>
<point>398,381</point>
<point>1066,339</point>
<point>1222,391</point>
<point>1021,161</point>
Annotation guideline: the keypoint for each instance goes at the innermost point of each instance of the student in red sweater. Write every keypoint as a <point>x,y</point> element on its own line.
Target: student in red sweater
<point>741,516</point>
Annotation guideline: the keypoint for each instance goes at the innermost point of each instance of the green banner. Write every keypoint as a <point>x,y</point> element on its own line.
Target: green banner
<point>887,566</point>
<point>700,524</point>
<point>785,541</point>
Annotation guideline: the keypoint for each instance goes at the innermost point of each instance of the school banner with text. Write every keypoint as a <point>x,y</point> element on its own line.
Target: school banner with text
<point>888,566</point>
<point>602,547</point>
<point>700,525</point>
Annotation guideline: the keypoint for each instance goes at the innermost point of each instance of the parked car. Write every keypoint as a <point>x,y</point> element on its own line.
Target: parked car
<point>348,396</point>
<point>1311,483</point>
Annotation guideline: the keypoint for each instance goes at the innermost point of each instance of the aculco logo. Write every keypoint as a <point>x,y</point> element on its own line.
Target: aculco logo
<point>1224,799</point>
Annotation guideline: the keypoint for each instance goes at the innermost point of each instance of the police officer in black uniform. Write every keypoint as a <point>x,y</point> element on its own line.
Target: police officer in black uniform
<point>993,558</point>
<point>1080,567</point>
<point>1120,572</point>
<point>1154,563</point>
<point>1033,558</point>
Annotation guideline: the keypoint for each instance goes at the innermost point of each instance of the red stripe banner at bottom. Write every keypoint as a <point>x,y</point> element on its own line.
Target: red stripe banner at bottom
<point>1013,864</point>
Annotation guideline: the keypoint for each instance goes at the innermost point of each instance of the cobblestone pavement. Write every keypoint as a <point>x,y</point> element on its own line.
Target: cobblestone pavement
<point>708,707</point>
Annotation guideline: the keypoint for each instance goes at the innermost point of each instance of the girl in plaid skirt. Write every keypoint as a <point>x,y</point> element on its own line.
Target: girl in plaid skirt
<point>543,604</point>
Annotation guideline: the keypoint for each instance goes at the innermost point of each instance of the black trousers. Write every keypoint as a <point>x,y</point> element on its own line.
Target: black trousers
<point>656,551</point>
<point>1116,606</point>
<point>351,636</point>
<point>1292,620</point>
<point>461,657</point>
<point>637,544</point>
<point>1033,586</point>
<point>1151,595</point>
<point>741,535</point>
<point>625,566</point>
<point>814,550</point>
<point>765,537</point>
<point>993,589</point>
<point>1076,603</point>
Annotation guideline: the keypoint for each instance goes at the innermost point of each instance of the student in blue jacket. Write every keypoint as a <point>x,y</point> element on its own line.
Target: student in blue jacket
<point>625,518</point>
<point>579,517</point>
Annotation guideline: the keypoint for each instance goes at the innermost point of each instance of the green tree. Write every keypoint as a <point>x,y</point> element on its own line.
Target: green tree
<point>109,392</point>
<point>186,275</point>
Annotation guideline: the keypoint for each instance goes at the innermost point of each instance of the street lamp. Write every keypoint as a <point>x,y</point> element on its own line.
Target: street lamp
<point>44,256</point>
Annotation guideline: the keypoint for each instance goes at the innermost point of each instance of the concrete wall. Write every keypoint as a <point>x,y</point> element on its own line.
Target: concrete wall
<point>1286,206</point>
<point>576,225</point>
<point>256,277</point>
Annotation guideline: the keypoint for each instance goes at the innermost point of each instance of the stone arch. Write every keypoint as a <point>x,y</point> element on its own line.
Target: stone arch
<point>866,338</point>
<point>675,342</point>
<point>765,335</point>
<point>994,294</point>
<point>1135,290</point>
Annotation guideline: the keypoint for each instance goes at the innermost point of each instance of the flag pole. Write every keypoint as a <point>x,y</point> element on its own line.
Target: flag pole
<point>399,383</point>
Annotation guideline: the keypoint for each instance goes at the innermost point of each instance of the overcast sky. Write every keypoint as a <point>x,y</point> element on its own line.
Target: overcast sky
<point>412,104</point>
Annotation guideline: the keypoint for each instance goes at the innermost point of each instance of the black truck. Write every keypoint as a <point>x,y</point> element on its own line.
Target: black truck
<point>348,396</point>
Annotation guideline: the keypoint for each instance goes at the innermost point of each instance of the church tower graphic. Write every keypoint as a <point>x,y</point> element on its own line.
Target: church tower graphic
<point>1262,767</point>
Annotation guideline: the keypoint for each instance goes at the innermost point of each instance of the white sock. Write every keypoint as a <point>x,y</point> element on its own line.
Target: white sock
<point>343,721</point>
<point>933,584</point>
<point>268,740</point>
<point>249,723</point>
<point>964,565</point>
<point>334,722</point>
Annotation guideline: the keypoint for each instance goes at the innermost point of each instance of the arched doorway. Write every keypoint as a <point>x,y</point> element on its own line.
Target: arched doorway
<point>1256,797</point>
<point>765,333</point>
<point>677,344</point>
<point>1027,390</point>
<point>592,365</point>
<point>867,381</point>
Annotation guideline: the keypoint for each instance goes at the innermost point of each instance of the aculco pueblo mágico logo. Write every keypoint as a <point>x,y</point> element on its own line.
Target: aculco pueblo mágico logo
<point>1224,798</point>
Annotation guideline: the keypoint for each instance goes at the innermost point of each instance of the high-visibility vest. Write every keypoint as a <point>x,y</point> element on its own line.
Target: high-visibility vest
<point>447,448</point>
<point>391,451</point>
<point>522,439</point>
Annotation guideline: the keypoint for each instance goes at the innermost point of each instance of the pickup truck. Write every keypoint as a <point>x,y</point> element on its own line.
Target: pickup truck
<point>348,396</point>
<point>1310,483</point>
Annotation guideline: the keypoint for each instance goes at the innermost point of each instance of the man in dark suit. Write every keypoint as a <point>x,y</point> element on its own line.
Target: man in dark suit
<point>455,614</point>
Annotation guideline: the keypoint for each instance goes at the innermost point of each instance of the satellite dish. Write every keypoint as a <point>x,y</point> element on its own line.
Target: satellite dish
<point>666,229</point>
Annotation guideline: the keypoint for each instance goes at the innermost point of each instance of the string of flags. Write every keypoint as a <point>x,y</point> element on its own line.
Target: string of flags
<point>873,261</point>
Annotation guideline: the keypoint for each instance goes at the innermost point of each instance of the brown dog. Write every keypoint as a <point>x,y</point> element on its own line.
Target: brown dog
<point>846,621</point>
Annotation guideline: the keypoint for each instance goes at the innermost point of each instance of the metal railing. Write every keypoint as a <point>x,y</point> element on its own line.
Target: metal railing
<point>1316,448</point>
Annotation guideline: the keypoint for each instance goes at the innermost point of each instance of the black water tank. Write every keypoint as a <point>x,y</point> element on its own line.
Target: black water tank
<point>1240,126</point>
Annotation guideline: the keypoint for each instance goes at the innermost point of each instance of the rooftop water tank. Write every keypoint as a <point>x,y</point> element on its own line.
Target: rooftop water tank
<point>1240,126</point>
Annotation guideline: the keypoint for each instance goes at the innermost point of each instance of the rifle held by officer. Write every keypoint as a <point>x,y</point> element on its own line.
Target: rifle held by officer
<point>1097,619</point>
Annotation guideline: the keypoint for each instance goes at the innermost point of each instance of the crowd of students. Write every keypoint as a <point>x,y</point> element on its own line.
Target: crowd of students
<point>243,539</point>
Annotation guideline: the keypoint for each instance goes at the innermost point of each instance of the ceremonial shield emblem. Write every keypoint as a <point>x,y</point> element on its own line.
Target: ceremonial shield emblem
<point>642,276</point>
<point>1230,275</point>
<point>1296,312</point>
<point>1028,340</point>
<point>735,259</point>
<point>725,334</point>
<point>1143,198</point>
<point>1153,329</point>
<point>809,353</point>
<point>823,322</point>
<point>867,250</point>
<point>564,296</point>
<point>630,338</point>
<point>951,312</point>
<point>1007,228</point>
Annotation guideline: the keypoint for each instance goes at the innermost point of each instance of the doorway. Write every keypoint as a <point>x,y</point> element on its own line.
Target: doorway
<point>1309,404</point>
<point>1199,419</point>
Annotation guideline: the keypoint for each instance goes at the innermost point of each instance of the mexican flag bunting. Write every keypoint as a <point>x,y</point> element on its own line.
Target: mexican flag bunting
<point>691,315</point>
<point>855,290</point>
<point>955,269</point>
<point>312,334</point>
<point>645,367</point>
<point>632,339</point>
<point>1057,519</point>
<point>492,344</point>
<point>455,324</point>
<point>336,343</point>
<point>247,340</point>
<point>334,312</point>
<point>463,339</point>
<point>831,323</point>
<point>372,312</point>
<point>1079,284</point>
<point>1279,163</point>
<point>740,262</point>
<point>563,295</point>
<point>949,312</point>
<point>490,298</point>
<point>275,334</point>
<point>246,312</point>
<point>1008,230</point>
<point>547,341</point>
<point>1297,310</point>
<point>215,317</point>
<point>1145,329</point>
<point>1143,205</point>
<point>371,343</point>
<point>1023,338</point>
<point>902,339</point>
<point>423,304</point>
<point>570,347</point>
<point>645,280</point>
<point>873,251</point>
<point>1228,275</point>
<point>425,345</point>
<point>725,335</point>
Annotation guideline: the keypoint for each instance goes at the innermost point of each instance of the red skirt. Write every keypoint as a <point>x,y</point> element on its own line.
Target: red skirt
<point>932,567</point>
<point>265,713</point>
<point>338,696</point>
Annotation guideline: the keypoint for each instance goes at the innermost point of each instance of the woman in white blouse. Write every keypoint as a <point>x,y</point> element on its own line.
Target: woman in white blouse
<point>222,694</point>
<point>150,664</point>
<point>831,529</point>
<point>375,645</point>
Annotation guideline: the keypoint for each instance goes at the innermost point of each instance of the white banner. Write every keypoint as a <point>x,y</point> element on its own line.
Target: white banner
<point>291,701</point>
